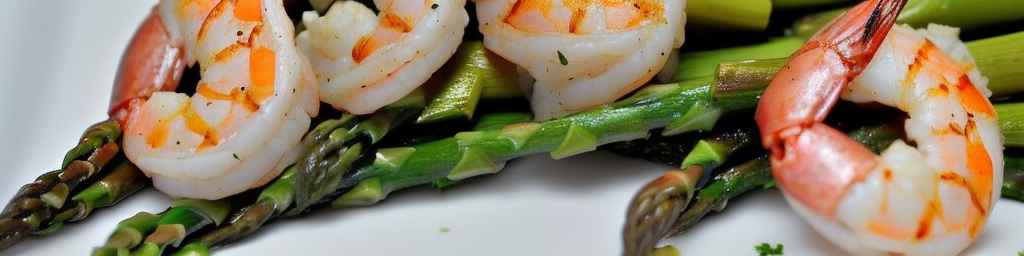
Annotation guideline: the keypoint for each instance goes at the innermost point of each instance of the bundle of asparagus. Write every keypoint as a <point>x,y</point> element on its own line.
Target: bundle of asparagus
<point>342,166</point>
<point>43,206</point>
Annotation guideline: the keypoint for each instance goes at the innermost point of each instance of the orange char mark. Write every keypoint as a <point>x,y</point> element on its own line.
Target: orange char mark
<point>208,20</point>
<point>248,10</point>
<point>524,9</point>
<point>262,68</point>
<point>619,15</point>
<point>627,14</point>
<point>390,29</point>
<point>979,165</point>
<point>237,96</point>
<point>158,137</point>
<point>197,125</point>
<point>972,100</point>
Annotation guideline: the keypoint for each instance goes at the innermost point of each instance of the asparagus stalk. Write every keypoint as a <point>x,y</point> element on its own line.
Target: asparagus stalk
<point>700,64</point>
<point>749,15</point>
<point>998,58</point>
<point>124,180</point>
<point>1011,123</point>
<point>463,81</point>
<point>662,208</point>
<point>1013,177</point>
<point>35,203</point>
<point>469,154</point>
<point>792,4</point>
<point>332,148</point>
<point>918,13</point>
<point>165,229</point>
<point>653,212</point>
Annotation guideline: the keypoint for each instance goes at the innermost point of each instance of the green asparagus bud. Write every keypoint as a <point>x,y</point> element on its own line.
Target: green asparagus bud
<point>124,180</point>
<point>149,234</point>
<point>129,233</point>
<point>334,145</point>
<point>35,203</point>
<point>655,208</point>
<point>183,218</point>
<point>332,148</point>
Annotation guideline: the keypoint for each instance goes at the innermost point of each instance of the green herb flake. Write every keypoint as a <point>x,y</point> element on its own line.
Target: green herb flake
<point>765,249</point>
<point>434,6</point>
<point>1020,253</point>
<point>236,156</point>
<point>562,59</point>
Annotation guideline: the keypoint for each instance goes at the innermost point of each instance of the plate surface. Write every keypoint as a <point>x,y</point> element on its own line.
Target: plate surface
<point>57,63</point>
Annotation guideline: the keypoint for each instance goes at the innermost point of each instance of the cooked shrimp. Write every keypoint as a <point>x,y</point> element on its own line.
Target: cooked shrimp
<point>365,61</point>
<point>250,109</point>
<point>582,53</point>
<point>930,200</point>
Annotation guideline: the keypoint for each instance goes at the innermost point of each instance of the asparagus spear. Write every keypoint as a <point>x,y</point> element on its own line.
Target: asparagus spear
<point>165,229</point>
<point>662,208</point>
<point>653,212</point>
<point>790,4</point>
<point>918,13</point>
<point>331,150</point>
<point>1013,177</point>
<point>124,180</point>
<point>700,64</point>
<point>469,154</point>
<point>35,203</point>
<point>730,14</point>
<point>335,145</point>
<point>469,72</point>
<point>998,58</point>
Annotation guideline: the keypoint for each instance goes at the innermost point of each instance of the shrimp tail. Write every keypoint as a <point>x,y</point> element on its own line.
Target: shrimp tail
<point>801,95</point>
<point>149,64</point>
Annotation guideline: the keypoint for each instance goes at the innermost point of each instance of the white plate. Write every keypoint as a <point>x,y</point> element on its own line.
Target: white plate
<point>57,63</point>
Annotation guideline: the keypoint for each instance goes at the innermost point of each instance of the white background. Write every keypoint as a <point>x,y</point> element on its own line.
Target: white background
<point>57,64</point>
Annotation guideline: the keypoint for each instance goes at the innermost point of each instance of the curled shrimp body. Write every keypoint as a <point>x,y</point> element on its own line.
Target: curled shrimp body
<point>930,200</point>
<point>364,61</point>
<point>582,53</point>
<point>251,107</point>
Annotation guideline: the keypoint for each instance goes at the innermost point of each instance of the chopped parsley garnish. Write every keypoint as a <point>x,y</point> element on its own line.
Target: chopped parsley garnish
<point>562,59</point>
<point>235,155</point>
<point>765,249</point>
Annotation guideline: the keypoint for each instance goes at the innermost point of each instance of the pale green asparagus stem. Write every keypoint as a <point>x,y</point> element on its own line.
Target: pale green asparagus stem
<point>751,15</point>
<point>919,13</point>
<point>464,79</point>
